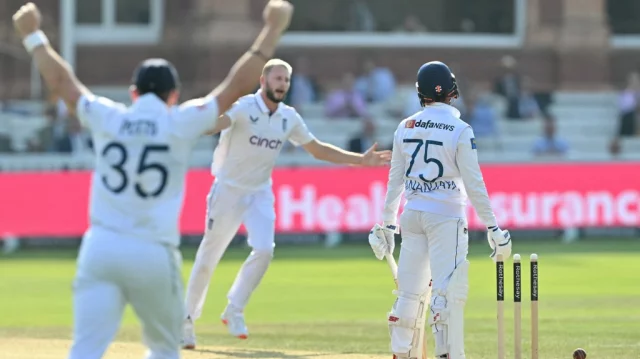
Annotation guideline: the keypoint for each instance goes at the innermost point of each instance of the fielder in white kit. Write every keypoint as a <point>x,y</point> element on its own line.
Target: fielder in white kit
<point>129,254</point>
<point>256,128</point>
<point>435,163</point>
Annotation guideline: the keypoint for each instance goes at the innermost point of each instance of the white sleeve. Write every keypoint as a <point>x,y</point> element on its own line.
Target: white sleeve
<point>300,134</point>
<point>234,112</point>
<point>196,117</point>
<point>93,111</point>
<point>467,160</point>
<point>395,183</point>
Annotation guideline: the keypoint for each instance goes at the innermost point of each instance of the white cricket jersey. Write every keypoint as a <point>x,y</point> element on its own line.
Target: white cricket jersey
<point>142,158</point>
<point>248,149</point>
<point>435,162</point>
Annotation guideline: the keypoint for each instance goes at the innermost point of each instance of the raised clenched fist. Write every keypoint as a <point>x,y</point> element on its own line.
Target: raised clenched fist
<point>277,14</point>
<point>27,20</point>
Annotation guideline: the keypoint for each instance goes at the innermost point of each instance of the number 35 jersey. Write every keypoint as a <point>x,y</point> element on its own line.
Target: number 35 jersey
<point>142,157</point>
<point>435,163</point>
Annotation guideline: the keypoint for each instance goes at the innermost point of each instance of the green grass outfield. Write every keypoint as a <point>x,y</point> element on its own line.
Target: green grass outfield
<point>335,301</point>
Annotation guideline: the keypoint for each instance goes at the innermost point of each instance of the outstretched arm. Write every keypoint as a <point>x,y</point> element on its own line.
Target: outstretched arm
<point>244,75</point>
<point>327,152</point>
<point>395,186</point>
<point>56,72</point>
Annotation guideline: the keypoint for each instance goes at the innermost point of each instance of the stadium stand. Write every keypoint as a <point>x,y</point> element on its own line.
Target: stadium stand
<point>587,121</point>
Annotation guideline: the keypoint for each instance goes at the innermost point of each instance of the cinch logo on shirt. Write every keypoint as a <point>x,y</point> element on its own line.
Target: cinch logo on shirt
<point>265,142</point>
<point>428,124</point>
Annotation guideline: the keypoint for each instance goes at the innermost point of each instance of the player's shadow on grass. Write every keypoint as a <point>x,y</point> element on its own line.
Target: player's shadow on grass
<point>257,354</point>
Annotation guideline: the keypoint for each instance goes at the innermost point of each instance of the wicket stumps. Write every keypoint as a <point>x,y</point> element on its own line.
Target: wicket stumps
<point>500,297</point>
<point>517,305</point>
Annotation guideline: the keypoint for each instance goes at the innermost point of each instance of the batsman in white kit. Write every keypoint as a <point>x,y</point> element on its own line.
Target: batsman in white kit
<point>435,164</point>
<point>255,130</point>
<point>129,254</point>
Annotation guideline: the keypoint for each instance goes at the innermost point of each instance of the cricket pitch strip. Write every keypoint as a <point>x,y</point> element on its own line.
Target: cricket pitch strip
<point>26,348</point>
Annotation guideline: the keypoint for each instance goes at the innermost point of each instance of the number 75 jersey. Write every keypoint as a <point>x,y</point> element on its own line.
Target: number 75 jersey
<point>142,157</point>
<point>424,163</point>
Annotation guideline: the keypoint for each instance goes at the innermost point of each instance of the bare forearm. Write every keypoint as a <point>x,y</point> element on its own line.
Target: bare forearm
<point>333,154</point>
<point>58,75</point>
<point>243,76</point>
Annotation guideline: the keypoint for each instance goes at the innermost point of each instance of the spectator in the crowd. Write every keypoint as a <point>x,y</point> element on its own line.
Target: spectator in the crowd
<point>412,24</point>
<point>6,107</point>
<point>628,106</point>
<point>550,144</point>
<point>361,17</point>
<point>508,86</point>
<point>412,104</point>
<point>345,101</point>
<point>467,25</point>
<point>377,83</point>
<point>62,111</point>
<point>51,137</point>
<point>364,139</point>
<point>77,140</point>
<point>5,144</point>
<point>482,117</point>
<point>5,140</point>
<point>528,105</point>
<point>304,88</point>
<point>615,148</point>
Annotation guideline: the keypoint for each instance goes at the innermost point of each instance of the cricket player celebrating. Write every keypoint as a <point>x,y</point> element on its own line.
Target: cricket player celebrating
<point>255,130</point>
<point>435,162</point>
<point>130,252</point>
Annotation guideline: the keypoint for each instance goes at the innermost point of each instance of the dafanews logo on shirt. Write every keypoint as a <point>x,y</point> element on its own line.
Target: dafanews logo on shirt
<point>429,124</point>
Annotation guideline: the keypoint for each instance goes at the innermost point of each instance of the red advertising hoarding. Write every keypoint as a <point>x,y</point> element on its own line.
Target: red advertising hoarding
<point>350,199</point>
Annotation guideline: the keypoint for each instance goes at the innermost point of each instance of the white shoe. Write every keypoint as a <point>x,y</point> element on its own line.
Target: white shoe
<point>234,320</point>
<point>188,334</point>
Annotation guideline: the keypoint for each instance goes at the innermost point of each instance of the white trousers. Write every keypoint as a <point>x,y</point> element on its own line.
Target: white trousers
<point>227,208</point>
<point>113,271</point>
<point>432,247</point>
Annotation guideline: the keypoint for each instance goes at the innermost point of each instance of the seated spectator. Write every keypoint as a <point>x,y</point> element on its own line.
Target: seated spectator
<point>361,142</point>
<point>549,144</point>
<point>615,147</point>
<point>304,88</point>
<point>467,25</point>
<point>528,104</point>
<point>412,104</point>
<point>5,144</point>
<point>345,101</point>
<point>360,16</point>
<point>77,139</point>
<point>7,107</point>
<point>465,86</point>
<point>412,24</point>
<point>51,137</point>
<point>508,86</point>
<point>628,106</point>
<point>376,84</point>
<point>482,117</point>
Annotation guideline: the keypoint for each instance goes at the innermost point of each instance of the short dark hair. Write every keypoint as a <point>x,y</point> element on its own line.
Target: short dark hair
<point>156,76</point>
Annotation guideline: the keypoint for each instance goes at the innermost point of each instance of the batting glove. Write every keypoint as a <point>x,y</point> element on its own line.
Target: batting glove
<point>500,242</point>
<point>382,240</point>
